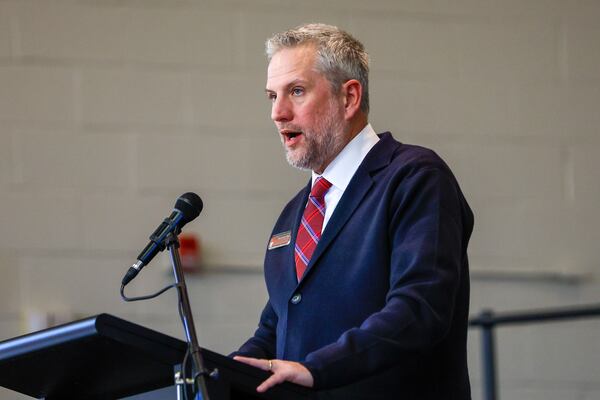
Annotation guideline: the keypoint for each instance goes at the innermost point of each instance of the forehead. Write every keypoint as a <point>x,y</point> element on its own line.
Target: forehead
<point>290,64</point>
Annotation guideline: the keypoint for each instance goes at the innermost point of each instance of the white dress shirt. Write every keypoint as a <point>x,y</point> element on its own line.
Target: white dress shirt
<point>341,170</point>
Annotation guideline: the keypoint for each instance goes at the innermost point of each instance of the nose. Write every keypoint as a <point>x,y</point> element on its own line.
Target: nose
<point>281,110</point>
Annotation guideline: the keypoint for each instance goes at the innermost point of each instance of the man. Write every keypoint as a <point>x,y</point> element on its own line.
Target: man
<point>368,276</point>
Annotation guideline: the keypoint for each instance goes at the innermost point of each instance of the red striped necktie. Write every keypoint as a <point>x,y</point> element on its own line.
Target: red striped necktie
<point>311,224</point>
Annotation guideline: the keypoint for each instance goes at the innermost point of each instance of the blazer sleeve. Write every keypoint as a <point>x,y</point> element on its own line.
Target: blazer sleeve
<point>262,344</point>
<point>428,245</point>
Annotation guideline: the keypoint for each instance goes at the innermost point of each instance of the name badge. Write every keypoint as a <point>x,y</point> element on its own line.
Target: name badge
<point>280,240</point>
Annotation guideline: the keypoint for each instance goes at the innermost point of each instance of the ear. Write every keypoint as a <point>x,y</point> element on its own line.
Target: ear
<point>352,96</point>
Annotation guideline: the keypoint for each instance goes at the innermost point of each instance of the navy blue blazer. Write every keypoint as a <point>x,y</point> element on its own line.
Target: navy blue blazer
<point>381,312</point>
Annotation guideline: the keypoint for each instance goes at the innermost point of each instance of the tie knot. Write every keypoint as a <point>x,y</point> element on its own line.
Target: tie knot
<point>320,187</point>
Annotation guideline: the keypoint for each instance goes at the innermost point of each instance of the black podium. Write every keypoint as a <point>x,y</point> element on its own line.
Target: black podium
<point>105,357</point>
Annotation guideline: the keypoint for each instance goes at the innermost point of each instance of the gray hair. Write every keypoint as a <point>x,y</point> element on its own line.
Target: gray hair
<point>340,57</point>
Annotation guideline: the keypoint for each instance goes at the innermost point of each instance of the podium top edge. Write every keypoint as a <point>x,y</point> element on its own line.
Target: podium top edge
<point>97,325</point>
<point>48,337</point>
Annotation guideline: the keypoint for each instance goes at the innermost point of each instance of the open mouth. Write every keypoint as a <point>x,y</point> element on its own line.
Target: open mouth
<point>290,137</point>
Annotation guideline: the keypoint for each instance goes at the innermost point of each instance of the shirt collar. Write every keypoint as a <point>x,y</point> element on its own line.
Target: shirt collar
<point>341,170</point>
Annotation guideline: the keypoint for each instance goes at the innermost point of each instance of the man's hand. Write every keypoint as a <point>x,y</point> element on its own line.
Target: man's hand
<point>282,371</point>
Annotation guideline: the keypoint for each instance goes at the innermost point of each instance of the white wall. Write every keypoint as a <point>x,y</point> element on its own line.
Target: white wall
<point>111,109</point>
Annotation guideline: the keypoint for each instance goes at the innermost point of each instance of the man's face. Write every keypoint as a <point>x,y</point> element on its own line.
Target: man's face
<point>308,116</point>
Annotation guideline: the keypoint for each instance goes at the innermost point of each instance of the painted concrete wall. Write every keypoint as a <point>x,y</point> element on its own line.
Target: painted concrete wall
<point>111,109</point>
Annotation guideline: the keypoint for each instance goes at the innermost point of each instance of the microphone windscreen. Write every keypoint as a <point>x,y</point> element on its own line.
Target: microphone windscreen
<point>190,205</point>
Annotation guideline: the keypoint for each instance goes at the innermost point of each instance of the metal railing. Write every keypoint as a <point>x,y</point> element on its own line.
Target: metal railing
<point>487,320</point>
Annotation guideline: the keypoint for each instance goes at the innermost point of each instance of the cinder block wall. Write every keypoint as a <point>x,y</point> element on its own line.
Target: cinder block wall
<point>111,109</point>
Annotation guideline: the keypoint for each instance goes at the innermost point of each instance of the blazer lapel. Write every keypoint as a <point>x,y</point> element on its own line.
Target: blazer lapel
<point>379,157</point>
<point>350,200</point>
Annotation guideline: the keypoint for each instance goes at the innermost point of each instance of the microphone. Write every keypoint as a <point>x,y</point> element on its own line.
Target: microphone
<point>187,207</point>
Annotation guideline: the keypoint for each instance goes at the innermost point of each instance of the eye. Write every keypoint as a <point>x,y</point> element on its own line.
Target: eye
<point>271,96</point>
<point>297,91</point>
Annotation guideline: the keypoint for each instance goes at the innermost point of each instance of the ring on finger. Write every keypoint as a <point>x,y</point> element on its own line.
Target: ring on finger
<point>270,365</point>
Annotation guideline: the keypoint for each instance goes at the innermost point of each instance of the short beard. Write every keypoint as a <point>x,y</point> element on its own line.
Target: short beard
<point>323,144</point>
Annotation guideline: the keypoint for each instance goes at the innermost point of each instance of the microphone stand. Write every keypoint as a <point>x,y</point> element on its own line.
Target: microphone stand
<point>199,372</point>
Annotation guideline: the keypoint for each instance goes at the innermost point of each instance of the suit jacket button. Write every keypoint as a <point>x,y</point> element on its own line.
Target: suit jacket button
<point>297,298</point>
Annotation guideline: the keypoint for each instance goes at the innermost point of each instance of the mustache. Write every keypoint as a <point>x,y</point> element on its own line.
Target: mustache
<point>290,128</point>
